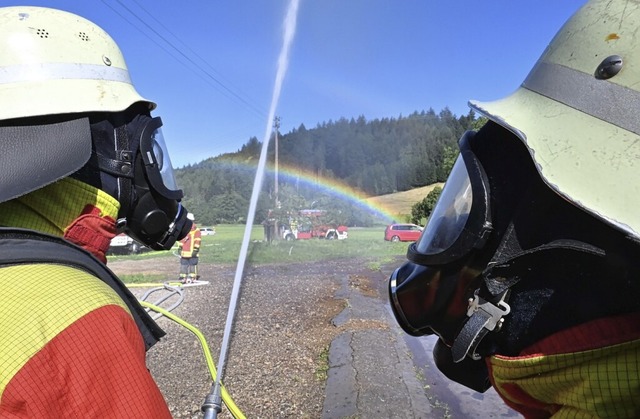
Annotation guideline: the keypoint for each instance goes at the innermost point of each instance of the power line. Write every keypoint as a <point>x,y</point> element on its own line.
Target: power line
<point>193,52</point>
<point>219,85</point>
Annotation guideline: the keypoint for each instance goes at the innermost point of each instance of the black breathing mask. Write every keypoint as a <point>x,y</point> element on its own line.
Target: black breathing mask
<point>501,260</point>
<point>429,293</point>
<point>134,167</point>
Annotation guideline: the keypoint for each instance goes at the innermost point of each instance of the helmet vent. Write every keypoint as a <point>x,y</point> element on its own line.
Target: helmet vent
<point>42,33</point>
<point>83,36</point>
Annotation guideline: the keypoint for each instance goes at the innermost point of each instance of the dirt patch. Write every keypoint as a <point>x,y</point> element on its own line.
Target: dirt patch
<point>281,335</point>
<point>169,266</point>
<point>363,284</point>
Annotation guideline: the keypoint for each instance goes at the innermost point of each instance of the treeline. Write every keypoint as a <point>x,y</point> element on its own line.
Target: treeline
<point>375,157</point>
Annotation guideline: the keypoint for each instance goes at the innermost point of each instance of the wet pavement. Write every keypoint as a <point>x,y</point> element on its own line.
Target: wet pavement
<point>378,371</point>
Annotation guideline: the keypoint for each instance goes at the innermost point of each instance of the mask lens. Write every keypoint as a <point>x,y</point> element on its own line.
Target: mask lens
<point>451,213</point>
<point>157,151</point>
<point>161,158</point>
<point>461,220</point>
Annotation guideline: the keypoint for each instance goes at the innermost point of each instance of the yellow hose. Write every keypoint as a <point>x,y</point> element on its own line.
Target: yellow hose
<point>233,408</point>
<point>153,284</point>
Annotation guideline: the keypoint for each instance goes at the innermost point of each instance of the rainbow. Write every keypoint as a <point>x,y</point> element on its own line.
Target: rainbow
<point>333,187</point>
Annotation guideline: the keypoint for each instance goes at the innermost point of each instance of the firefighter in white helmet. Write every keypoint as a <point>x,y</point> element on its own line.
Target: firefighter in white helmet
<point>82,159</point>
<point>534,287</point>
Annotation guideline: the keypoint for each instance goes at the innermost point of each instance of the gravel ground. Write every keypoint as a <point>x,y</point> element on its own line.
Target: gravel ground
<point>277,357</point>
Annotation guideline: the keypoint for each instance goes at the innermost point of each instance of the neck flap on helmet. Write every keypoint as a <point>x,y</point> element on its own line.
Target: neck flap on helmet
<point>35,152</point>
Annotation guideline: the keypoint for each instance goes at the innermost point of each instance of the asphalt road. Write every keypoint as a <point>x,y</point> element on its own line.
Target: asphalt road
<point>381,372</point>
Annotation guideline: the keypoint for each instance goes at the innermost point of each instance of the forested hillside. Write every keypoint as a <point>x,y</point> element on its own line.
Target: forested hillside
<point>374,157</point>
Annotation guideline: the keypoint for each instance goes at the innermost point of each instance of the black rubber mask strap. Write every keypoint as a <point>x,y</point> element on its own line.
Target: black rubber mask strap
<point>484,317</point>
<point>124,157</point>
<point>487,315</point>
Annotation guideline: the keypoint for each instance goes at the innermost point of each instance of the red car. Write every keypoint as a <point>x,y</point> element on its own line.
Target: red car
<point>402,232</point>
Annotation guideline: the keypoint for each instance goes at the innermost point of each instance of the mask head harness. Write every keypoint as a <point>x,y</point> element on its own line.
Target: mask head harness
<point>131,161</point>
<point>500,257</point>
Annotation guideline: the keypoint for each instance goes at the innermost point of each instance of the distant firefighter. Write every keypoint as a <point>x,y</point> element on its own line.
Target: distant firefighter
<point>189,249</point>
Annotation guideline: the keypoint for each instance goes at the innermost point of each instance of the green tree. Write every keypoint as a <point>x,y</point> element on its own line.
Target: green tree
<point>449,158</point>
<point>420,211</point>
<point>375,157</point>
<point>478,123</point>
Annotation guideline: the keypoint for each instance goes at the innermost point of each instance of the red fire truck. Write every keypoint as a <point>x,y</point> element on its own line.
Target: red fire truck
<point>310,223</point>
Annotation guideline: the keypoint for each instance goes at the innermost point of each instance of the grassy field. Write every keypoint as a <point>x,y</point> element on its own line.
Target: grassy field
<point>400,203</point>
<point>224,247</point>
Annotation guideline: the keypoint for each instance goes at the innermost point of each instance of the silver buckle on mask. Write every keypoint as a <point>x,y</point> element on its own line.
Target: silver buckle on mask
<point>484,317</point>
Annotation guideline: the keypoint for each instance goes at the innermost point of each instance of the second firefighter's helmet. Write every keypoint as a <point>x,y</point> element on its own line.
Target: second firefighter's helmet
<point>578,113</point>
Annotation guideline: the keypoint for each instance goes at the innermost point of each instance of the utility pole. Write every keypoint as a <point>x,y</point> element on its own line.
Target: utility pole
<point>276,125</point>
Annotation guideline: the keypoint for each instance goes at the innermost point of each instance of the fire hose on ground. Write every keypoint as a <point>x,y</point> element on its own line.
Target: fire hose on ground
<point>228,401</point>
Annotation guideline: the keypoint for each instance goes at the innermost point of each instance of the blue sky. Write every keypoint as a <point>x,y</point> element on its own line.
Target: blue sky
<point>211,65</point>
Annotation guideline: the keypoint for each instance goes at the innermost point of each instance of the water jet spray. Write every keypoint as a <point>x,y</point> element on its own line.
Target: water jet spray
<point>213,402</point>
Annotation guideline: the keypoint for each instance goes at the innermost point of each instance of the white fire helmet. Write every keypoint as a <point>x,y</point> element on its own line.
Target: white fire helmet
<point>578,112</point>
<point>53,63</point>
